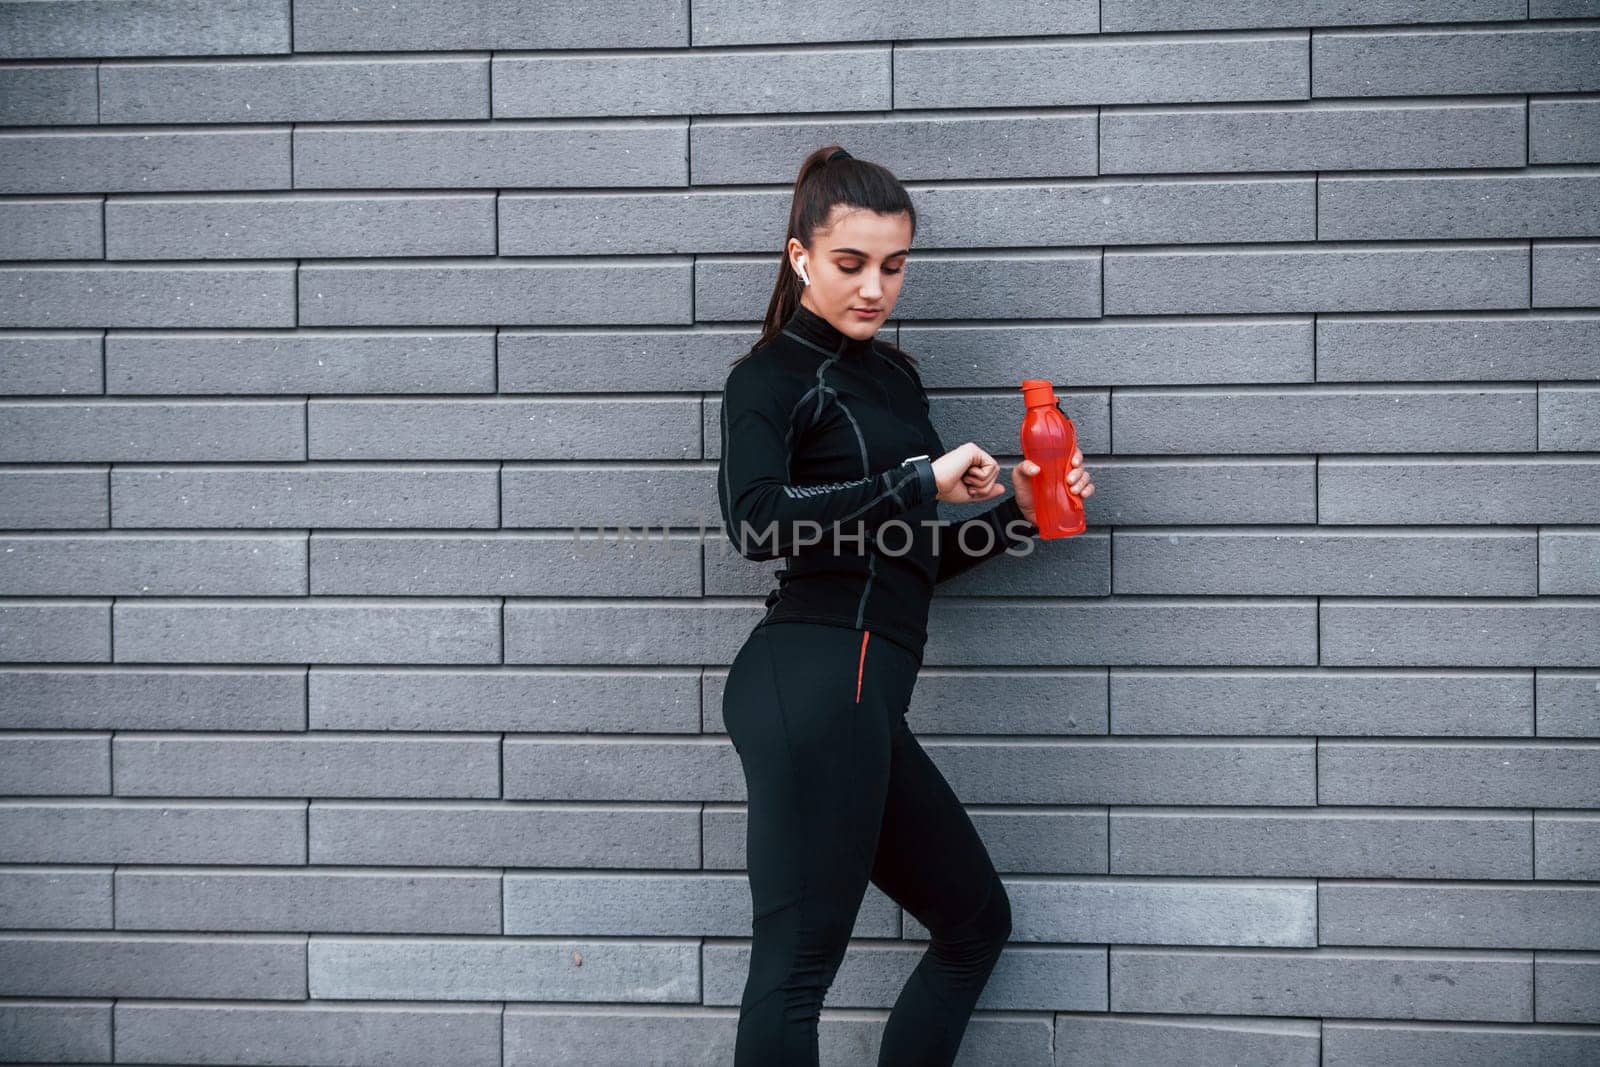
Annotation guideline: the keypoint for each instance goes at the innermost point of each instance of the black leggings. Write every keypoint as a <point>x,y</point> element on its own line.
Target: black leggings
<point>839,791</point>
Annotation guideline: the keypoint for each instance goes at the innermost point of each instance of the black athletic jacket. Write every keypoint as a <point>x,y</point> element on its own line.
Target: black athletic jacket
<point>826,442</point>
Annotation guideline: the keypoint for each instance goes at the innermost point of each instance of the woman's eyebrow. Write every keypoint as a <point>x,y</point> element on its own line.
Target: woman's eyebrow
<point>863,255</point>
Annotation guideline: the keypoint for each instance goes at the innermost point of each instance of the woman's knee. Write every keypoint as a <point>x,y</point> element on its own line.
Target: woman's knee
<point>982,935</point>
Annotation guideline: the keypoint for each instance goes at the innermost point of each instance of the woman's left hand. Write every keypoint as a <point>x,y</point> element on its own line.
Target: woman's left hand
<point>1023,473</point>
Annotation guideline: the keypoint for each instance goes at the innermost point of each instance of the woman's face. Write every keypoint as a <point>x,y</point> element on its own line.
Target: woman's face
<point>857,261</point>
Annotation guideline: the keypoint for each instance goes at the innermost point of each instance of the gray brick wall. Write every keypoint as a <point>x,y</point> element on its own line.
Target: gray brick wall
<point>322,324</point>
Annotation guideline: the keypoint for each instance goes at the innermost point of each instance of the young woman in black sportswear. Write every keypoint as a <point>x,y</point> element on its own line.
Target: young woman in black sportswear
<point>830,462</point>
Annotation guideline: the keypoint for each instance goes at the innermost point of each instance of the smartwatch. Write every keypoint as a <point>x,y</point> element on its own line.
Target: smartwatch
<point>928,484</point>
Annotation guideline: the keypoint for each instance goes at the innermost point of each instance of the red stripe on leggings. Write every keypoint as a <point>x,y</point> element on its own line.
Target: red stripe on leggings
<point>862,664</point>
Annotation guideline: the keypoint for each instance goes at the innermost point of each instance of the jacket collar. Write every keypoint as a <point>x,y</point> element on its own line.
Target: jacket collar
<point>813,328</point>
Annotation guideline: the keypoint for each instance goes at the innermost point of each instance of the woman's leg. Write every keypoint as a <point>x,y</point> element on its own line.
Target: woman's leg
<point>816,767</point>
<point>932,862</point>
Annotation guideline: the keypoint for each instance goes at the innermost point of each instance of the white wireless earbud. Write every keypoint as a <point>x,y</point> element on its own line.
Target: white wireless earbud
<point>803,277</point>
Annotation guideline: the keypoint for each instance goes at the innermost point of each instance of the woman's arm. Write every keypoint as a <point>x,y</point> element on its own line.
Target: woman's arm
<point>764,514</point>
<point>1007,526</point>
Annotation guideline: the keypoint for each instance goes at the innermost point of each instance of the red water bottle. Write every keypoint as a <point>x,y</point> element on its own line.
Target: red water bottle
<point>1049,439</point>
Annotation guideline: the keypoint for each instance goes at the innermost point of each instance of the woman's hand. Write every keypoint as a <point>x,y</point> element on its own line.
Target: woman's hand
<point>1022,481</point>
<point>967,474</point>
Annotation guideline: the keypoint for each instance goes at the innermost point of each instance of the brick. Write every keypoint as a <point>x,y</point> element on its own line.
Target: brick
<point>1458,916</point>
<point>468,1035</point>
<point>723,22</point>
<point>1485,632</point>
<point>1322,702</point>
<point>1567,845</point>
<point>1317,135</point>
<point>1346,1044</point>
<point>1119,771</point>
<point>1554,203</point>
<point>62,1031</point>
<point>409,25</point>
<point>135,565</point>
<point>920,147</point>
<point>36,630</point>
<point>534,1034</point>
<point>305,361</point>
<point>137,161</point>
<point>1566,274</point>
<point>1566,990</point>
<point>51,228</point>
<point>309,630</point>
<point>1123,16</point>
<point>1452,60</point>
<point>47,898</point>
<point>1103,71</point>
<point>1569,562</point>
<point>1512,489</point>
<point>692,82</point>
<point>505,427</point>
<point>1569,418</point>
<point>488,155</point>
<point>154,27</point>
<point>560,563</point>
<point>445,902</point>
<point>54,94</point>
<point>1543,345</point>
<point>1110,212</point>
<point>1333,843</point>
<point>1121,353</point>
<point>1317,418</point>
<point>150,431</point>
<point>293,764</point>
<point>189,966</point>
<point>480,291</point>
<point>1458,773</point>
<point>1315,278</point>
<point>1352,983</point>
<point>427,495</point>
<point>513,699</point>
<point>694,769</point>
<point>607,501</point>
<point>654,971</point>
<point>1564,129</point>
<point>1175,912</point>
<point>58,497</point>
<point>49,363</point>
<point>297,89</point>
<point>152,698</point>
<point>1101,1040</point>
<point>129,830</point>
<point>304,224</point>
<point>621,359</point>
<point>497,834</point>
<point>1309,561</point>
<point>1567,707</point>
<point>97,295</point>
<point>45,764</point>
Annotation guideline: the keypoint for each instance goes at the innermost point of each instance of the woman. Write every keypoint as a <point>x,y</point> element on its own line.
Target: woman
<point>828,461</point>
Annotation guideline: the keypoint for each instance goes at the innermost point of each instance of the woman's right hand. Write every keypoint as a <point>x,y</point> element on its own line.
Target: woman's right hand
<point>967,474</point>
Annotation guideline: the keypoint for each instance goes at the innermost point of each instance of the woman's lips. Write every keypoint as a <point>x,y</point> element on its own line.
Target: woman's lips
<point>867,313</point>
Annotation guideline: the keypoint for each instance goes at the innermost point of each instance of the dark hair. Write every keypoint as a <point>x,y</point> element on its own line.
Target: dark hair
<point>830,176</point>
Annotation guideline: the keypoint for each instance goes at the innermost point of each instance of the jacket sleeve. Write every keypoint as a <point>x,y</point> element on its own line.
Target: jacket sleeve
<point>1007,526</point>
<point>764,514</point>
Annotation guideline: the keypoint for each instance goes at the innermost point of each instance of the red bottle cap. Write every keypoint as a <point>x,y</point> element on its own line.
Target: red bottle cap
<point>1038,392</point>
